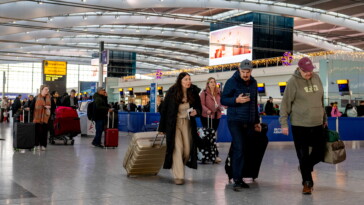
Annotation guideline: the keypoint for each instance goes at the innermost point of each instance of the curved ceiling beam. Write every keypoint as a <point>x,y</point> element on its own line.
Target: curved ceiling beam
<point>168,46</point>
<point>334,18</point>
<point>321,42</point>
<point>75,21</point>
<point>160,34</point>
<point>174,56</point>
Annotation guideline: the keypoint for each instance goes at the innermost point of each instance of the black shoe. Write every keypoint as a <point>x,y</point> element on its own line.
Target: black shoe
<point>98,145</point>
<point>240,185</point>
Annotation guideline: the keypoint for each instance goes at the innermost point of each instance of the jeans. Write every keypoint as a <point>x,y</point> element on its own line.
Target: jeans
<point>99,129</point>
<point>305,137</point>
<point>240,132</point>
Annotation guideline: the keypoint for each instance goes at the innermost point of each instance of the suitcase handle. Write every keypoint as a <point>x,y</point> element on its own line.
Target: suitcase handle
<point>108,119</point>
<point>209,124</point>
<point>155,139</point>
<point>24,116</point>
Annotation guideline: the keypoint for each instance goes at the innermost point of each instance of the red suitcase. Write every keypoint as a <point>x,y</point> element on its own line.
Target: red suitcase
<point>66,112</point>
<point>111,134</point>
<point>69,125</point>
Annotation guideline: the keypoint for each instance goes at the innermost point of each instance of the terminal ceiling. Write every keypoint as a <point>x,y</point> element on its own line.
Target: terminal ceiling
<point>165,34</point>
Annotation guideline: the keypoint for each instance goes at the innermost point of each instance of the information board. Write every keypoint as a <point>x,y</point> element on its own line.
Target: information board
<point>55,75</point>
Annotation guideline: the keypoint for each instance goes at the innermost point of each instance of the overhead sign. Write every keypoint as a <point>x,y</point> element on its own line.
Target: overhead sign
<point>55,75</point>
<point>153,97</point>
<point>55,67</point>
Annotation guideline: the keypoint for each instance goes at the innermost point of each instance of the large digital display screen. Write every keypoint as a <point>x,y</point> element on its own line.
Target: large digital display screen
<point>343,87</point>
<point>55,75</point>
<point>231,45</point>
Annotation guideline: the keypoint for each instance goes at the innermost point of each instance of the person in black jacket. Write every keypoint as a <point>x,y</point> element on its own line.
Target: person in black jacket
<point>269,109</point>
<point>71,100</point>
<point>182,104</point>
<point>16,105</point>
<point>100,114</point>
<point>241,96</point>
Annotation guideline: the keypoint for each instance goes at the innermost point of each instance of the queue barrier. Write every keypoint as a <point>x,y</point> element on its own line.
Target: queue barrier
<point>349,128</point>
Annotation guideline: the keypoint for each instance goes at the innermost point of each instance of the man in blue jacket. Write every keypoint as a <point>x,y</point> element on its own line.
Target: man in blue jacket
<point>240,95</point>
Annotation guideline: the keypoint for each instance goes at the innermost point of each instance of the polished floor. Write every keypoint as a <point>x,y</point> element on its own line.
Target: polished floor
<point>82,174</point>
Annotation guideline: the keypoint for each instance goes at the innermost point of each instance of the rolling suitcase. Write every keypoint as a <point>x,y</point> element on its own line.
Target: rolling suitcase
<point>111,134</point>
<point>254,154</point>
<point>145,154</point>
<point>208,149</point>
<point>23,134</point>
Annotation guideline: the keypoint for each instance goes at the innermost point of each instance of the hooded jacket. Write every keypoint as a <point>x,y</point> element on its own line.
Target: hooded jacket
<point>244,112</point>
<point>303,102</point>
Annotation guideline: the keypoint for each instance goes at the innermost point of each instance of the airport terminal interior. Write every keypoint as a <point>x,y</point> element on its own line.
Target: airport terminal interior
<point>134,50</point>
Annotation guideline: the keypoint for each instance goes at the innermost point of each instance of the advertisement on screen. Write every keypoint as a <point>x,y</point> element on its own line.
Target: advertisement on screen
<point>231,45</point>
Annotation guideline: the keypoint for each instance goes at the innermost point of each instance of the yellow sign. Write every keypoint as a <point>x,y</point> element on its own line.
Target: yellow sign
<point>260,85</point>
<point>147,88</point>
<point>55,67</point>
<point>120,89</point>
<point>130,89</point>
<point>282,83</point>
<point>340,82</point>
<point>52,77</point>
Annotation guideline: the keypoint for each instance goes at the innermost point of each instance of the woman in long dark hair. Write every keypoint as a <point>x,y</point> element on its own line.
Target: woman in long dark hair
<point>181,105</point>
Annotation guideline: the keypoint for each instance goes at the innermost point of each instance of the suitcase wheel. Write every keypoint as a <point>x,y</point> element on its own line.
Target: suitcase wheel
<point>65,141</point>
<point>72,142</point>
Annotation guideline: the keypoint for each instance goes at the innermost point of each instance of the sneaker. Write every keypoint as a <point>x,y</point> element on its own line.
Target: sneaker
<point>37,148</point>
<point>248,180</point>
<point>179,181</point>
<point>240,185</point>
<point>43,148</point>
<point>307,188</point>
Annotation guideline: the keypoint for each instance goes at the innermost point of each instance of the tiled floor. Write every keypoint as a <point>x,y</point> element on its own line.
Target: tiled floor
<point>82,174</point>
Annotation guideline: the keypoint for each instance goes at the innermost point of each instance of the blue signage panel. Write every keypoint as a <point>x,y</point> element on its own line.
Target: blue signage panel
<point>153,97</point>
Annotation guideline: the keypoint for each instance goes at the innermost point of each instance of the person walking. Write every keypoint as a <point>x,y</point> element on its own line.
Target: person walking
<point>303,103</point>
<point>241,96</point>
<point>181,105</point>
<point>211,107</point>
<point>41,109</point>
<point>101,110</point>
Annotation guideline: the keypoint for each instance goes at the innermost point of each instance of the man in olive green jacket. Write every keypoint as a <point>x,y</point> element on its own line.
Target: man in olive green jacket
<point>303,103</point>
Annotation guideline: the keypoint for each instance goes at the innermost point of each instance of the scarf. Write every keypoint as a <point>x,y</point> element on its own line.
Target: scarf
<point>41,115</point>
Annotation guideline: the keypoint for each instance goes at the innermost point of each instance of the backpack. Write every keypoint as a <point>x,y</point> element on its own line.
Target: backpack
<point>90,110</point>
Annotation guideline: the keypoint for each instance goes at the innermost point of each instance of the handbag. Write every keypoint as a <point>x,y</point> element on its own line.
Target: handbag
<point>335,152</point>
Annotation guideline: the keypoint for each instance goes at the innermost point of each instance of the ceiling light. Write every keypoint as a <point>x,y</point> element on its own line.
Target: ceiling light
<point>27,32</point>
<point>83,0</point>
<point>112,29</point>
<point>40,2</point>
<point>117,17</point>
<point>84,17</point>
<point>147,17</point>
<point>85,29</point>
<point>50,19</point>
<point>57,30</point>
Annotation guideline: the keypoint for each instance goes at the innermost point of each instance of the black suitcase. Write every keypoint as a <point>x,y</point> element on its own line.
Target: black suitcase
<point>254,154</point>
<point>23,134</point>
